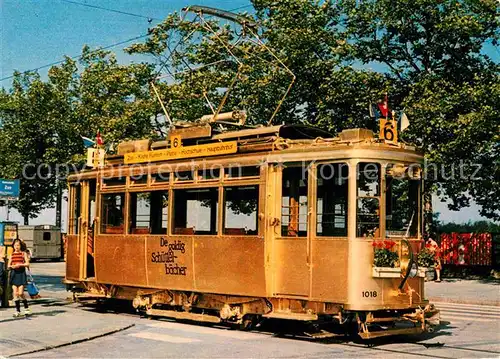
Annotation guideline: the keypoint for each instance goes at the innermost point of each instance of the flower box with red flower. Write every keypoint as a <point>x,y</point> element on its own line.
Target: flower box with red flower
<point>385,260</point>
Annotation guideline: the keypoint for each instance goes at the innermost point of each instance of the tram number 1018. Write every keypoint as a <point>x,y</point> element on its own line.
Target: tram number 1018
<point>369,294</point>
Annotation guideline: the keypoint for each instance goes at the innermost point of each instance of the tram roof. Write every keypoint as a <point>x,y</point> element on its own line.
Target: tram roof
<point>200,141</point>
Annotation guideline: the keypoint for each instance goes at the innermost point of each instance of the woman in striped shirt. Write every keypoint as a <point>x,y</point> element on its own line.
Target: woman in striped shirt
<point>18,262</point>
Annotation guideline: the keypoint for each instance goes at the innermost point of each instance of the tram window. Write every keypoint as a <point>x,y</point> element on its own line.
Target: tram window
<point>332,200</point>
<point>148,212</point>
<point>139,179</point>
<point>112,218</point>
<point>294,202</point>
<point>161,177</point>
<point>114,182</point>
<point>368,201</point>
<point>401,206</point>
<point>184,176</point>
<point>209,174</point>
<point>195,211</point>
<point>247,171</point>
<point>241,208</point>
<point>75,202</point>
<point>368,217</point>
<point>368,179</point>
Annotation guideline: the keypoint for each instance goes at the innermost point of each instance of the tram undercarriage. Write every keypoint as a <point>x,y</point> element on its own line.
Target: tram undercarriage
<point>246,312</point>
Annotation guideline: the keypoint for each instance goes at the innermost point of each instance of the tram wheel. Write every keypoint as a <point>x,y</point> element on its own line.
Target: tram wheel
<point>249,322</point>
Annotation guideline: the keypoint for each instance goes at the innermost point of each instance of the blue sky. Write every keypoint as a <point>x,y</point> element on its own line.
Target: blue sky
<point>38,32</point>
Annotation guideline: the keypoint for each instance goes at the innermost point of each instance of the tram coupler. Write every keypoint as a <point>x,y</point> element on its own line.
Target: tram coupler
<point>420,321</point>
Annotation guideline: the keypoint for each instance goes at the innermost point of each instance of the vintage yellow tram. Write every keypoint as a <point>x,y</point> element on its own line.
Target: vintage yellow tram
<point>265,222</point>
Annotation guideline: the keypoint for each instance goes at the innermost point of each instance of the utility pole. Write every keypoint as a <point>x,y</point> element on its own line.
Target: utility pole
<point>58,205</point>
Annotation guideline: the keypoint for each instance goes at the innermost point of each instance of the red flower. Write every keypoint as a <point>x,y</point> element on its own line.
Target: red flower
<point>389,245</point>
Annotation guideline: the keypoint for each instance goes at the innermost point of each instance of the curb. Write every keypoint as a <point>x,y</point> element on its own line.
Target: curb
<point>50,347</point>
<point>494,303</point>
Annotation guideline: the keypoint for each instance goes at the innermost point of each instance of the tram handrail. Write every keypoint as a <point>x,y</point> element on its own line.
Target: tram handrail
<point>410,251</point>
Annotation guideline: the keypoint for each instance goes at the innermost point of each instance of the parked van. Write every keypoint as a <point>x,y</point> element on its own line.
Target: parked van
<point>43,241</point>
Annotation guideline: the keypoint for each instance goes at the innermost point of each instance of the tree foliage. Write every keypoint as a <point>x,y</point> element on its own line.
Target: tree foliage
<point>427,54</point>
<point>42,121</point>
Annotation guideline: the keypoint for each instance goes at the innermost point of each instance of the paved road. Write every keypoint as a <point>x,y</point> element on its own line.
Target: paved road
<point>467,331</point>
<point>48,277</point>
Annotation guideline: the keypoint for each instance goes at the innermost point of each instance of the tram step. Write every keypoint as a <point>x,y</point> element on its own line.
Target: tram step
<point>384,333</point>
<point>90,295</point>
<point>291,316</point>
<point>183,315</point>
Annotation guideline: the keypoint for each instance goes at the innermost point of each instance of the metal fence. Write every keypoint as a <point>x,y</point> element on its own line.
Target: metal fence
<point>467,249</point>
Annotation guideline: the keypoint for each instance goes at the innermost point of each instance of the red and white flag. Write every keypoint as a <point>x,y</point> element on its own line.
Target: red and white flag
<point>384,107</point>
<point>98,139</point>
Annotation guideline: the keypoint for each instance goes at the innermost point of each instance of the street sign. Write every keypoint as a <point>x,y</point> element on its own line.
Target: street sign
<point>9,189</point>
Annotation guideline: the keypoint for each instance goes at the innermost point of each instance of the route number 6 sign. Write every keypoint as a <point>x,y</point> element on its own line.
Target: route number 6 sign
<point>388,130</point>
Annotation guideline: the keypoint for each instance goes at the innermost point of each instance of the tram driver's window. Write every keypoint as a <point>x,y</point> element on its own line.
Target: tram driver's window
<point>294,202</point>
<point>148,212</point>
<point>240,211</point>
<point>368,200</point>
<point>402,210</point>
<point>332,200</point>
<point>195,211</point>
<point>113,213</point>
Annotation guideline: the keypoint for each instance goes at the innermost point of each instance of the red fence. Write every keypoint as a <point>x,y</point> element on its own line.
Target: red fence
<point>468,249</point>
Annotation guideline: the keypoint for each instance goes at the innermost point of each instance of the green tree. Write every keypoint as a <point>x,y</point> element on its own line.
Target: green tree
<point>449,89</point>
<point>427,54</point>
<point>42,121</point>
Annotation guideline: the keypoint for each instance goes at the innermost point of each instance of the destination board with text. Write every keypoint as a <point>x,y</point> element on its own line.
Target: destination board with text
<point>211,149</point>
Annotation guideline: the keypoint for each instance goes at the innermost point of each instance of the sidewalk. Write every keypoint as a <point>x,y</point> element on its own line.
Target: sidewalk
<point>54,323</point>
<point>482,292</point>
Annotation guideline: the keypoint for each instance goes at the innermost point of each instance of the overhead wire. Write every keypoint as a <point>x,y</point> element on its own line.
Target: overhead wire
<point>77,57</point>
<point>149,18</point>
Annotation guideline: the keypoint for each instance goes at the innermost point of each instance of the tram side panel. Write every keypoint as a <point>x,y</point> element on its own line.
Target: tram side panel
<point>121,260</point>
<point>232,265</point>
<point>72,257</point>
<point>329,269</point>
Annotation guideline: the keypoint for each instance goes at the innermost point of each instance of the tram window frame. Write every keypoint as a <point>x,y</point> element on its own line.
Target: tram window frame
<point>182,214</point>
<point>254,215</point>
<point>340,184</point>
<point>413,193</point>
<point>214,174</point>
<point>297,228</point>
<point>114,182</point>
<point>160,178</point>
<point>364,196</point>
<point>120,229</point>
<point>157,216</point>
<point>75,195</point>
<point>239,172</point>
<point>140,180</point>
<point>179,176</point>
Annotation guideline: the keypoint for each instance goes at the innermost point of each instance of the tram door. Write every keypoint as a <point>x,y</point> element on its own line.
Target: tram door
<point>80,245</point>
<point>292,247</point>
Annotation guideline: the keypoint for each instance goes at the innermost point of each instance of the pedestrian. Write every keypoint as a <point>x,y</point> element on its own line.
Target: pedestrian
<point>18,262</point>
<point>434,248</point>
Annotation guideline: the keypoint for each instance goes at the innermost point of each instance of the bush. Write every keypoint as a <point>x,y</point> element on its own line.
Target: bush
<point>384,256</point>
<point>426,258</point>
